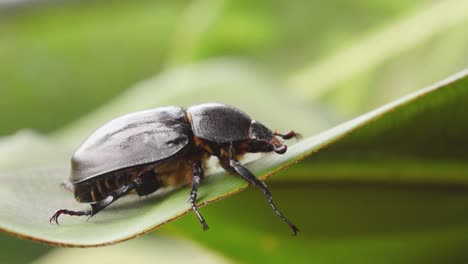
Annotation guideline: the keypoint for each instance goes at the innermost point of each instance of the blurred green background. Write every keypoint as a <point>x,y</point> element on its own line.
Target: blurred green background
<point>328,60</point>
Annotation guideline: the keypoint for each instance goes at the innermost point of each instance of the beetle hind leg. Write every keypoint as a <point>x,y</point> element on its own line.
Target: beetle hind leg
<point>55,216</point>
<point>197,176</point>
<point>97,207</point>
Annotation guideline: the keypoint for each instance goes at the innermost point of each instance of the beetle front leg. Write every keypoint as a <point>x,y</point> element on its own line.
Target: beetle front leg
<point>197,176</point>
<point>242,171</point>
<point>288,135</point>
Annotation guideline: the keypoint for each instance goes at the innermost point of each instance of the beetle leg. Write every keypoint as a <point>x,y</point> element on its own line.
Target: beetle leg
<point>197,176</point>
<point>242,171</point>
<point>54,218</point>
<point>288,135</point>
<point>149,183</point>
<point>97,207</point>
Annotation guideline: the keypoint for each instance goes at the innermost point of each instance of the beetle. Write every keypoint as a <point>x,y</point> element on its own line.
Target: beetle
<point>168,146</point>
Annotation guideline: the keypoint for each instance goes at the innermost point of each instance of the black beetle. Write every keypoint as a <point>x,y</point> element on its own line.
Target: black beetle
<point>167,146</point>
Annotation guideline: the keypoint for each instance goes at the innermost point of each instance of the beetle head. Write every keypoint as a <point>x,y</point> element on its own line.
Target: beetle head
<point>264,140</point>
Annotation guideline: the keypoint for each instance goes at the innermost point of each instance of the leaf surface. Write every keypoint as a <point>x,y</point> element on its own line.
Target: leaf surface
<point>28,197</point>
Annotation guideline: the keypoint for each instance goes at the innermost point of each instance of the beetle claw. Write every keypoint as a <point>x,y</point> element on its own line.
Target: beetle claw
<point>294,229</point>
<point>55,216</point>
<point>205,226</point>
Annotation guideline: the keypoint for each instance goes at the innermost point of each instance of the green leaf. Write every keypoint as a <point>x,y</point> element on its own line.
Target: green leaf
<point>314,80</point>
<point>90,52</point>
<point>161,249</point>
<point>391,190</point>
<point>228,80</point>
<point>27,148</point>
<point>419,142</point>
<point>339,223</point>
<point>224,80</point>
<point>93,51</point>
<point>28,197</point>
<point>19,250</point>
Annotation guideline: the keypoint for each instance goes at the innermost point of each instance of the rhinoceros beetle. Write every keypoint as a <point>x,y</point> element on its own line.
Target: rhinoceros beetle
<point>167,146</point>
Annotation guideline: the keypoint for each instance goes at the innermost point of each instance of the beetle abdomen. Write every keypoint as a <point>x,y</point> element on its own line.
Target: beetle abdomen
<point>173,172</point>
<point>98,188</point>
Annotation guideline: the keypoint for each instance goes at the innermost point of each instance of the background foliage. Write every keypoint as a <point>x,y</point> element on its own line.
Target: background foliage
<point>65,67</point>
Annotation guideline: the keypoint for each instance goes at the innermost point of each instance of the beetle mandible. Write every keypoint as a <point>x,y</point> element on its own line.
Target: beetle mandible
<point>167,146</point>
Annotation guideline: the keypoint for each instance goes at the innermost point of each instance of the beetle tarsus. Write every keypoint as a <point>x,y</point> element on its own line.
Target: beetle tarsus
<point>200,218</point>
<point>197,176</point>
<point>55,216</point>
<point>242,171</point>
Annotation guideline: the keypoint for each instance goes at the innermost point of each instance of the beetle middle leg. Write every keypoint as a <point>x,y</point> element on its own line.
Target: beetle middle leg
<point>97,207</point>
<point>197,176</point>
<point>237,168</point>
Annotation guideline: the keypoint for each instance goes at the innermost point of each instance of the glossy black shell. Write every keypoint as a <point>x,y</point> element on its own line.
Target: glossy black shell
<point>219,123</point>
<point>130,140</point>
<point>155,135</point>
